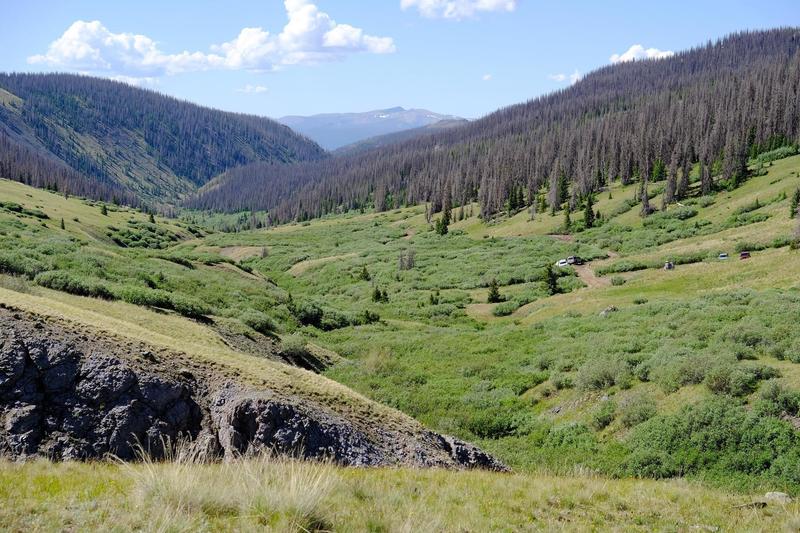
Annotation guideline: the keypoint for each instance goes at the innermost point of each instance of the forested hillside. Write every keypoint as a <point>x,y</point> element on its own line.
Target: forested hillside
<point>714,105</point>
<point>106,139</point>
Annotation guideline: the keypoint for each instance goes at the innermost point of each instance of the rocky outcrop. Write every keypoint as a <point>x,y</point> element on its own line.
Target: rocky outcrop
<point>66,394</point>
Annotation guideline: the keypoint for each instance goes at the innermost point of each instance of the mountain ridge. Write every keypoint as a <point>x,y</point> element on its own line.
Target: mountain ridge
<point>335,130</point>
<point>154,147</point>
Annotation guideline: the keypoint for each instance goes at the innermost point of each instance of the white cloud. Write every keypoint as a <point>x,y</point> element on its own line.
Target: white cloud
<point>252,89</point>
<point>457,9</point>
<point>637,52</point>
<point>561,77</point>
<point>487,77</point>
<point>310,36</point>
<point>136,82</point>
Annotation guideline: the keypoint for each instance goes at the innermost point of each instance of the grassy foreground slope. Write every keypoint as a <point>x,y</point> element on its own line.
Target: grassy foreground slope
<point>690,372</point>
<point>285,496</point>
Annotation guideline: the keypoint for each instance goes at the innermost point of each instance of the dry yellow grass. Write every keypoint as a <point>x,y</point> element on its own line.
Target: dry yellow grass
<point>240,253</point>
<point>298,269</point>
<point>260,495</point>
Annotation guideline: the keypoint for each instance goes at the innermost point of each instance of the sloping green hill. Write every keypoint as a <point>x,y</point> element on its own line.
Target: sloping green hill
<point>155,147</point>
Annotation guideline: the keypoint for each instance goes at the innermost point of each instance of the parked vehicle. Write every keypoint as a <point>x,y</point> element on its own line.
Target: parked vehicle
<point>562,263</point>
<point>574,260</point>
<point>744,255</point>
<point>669,265</point>
<point>723,256</point>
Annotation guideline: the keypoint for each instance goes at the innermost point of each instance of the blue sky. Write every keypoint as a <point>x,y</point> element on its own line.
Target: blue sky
<point>462,57</point>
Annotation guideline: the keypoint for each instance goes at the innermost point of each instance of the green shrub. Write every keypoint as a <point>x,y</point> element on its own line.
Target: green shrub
<point>624,265</point>
<point>598,374</point>
<point>737,380</point>
<point>492,423</point>
<point>188,307</point>
<point>182,261</point>
<point>334,320</point>
<point>636,408</point>
<point>505,308</point>
<point>774,155</point>
<point>144,297</point>
<point>747,208</point>
<point>294,347</point>
<point>675,370</point>
<point>705,201</point>
<point>775,400</point>
<point>366,317</point>
<point>258,321</point>
<point>719,438</point>
<point>562,381</point>
<point>604,414</point>
<point>307,313</point>
<point>659,219</point>
<point>20,265</point>
<point>64,281</point>
<point>617,281</point>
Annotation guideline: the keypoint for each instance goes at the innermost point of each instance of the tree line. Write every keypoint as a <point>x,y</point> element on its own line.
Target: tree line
<point>709,108</point>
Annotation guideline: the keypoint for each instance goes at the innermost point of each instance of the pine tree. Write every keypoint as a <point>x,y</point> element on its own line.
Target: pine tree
<point>152,219</point>
<point>588,213</point>
<point>563,189</point>
<point>62,224</point>
<point>551,278</point>
<point>567,219</point>
<point>659,170</point>
<point>104,210</point>
<point>364,275</point>
<point>378,295</point>
<point>443,222</point>
<point>494,292</point>
<point>794,203</point>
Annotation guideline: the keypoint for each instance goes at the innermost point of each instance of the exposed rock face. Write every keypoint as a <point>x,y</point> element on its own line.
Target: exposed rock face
<point>57,401</point>
<point>64,395</point>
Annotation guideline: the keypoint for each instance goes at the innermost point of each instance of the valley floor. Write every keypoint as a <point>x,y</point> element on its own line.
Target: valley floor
<point>628,371</point>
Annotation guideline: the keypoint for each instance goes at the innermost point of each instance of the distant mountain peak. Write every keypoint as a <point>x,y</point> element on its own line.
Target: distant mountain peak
<point>334,130</point>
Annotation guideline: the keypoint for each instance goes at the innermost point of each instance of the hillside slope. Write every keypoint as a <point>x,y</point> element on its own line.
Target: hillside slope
<point>400,136</point>
<point>110,335</point>
<point>127,140</point>
<point>714,105</point>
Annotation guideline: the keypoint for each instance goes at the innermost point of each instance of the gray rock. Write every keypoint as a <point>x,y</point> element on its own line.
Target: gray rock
<point>59,403</point>
<point>608,310</point>
<point>778,497</point>
<point>103,378</point>
<point>12,361</point>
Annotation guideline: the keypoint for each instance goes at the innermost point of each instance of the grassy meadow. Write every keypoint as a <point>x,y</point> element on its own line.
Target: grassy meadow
<point>280,495</point>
